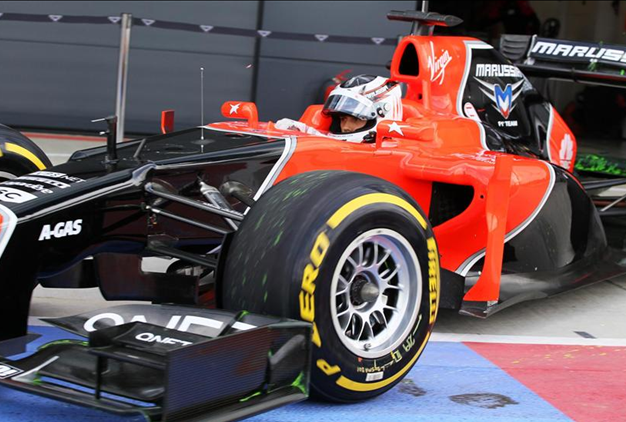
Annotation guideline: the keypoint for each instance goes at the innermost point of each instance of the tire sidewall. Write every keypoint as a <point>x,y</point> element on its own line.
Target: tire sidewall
<point>276,250</point>
<point>341,374</point>
<point>15,165</point>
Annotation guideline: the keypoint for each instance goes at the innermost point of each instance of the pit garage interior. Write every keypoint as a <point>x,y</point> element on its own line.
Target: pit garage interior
<point>561,358</point>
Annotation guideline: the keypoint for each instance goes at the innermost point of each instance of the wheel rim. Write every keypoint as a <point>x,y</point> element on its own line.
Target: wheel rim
<point>5,175</point>
<point>376,293</point>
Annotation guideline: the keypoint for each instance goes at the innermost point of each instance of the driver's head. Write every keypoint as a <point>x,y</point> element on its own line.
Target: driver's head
<point>350,124</point>
<point>358,104</point>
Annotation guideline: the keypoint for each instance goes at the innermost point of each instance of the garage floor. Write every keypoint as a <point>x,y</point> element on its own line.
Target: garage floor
<point>556,359</point>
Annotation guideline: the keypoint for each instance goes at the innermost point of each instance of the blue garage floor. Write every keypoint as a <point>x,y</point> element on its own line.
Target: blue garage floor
<point>449,383</point>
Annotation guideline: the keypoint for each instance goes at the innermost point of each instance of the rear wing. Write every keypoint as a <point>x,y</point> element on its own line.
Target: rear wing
<point>592,63</point>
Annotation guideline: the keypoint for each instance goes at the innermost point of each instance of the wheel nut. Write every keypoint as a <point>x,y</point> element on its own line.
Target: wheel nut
<point>369,292</point>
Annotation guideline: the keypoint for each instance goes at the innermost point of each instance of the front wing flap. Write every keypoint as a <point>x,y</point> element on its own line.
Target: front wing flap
<point>166,374</point>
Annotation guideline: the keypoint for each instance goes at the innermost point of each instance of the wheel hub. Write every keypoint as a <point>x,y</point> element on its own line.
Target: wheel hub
<point>376,292</point>
<point>363,291</point>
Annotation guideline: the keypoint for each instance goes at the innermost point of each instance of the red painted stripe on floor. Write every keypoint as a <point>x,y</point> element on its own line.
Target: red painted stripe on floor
<point>587,383</point>
<point>64,137</point>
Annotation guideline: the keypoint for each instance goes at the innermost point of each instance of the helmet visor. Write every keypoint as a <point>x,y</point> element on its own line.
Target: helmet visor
<point>361,108</point>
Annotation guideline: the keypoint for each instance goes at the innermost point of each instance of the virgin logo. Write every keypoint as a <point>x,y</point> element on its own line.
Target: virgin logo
<point>437,65</point>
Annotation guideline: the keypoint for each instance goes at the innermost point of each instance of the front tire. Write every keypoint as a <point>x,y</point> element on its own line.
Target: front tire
<point>355,256</point>
<point>19,155</point>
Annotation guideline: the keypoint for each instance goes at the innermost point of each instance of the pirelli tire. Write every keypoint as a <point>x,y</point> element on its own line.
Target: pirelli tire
<point>19,155</point>
<point>355,256</point>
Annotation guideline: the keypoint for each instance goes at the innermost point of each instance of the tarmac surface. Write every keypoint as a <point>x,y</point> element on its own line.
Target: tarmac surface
<point>557,359</point>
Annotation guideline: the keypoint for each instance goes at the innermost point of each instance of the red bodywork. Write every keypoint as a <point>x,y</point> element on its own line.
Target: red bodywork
<point>436,142</point>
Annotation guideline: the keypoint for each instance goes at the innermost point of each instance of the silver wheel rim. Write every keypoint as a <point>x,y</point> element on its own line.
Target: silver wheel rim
<point>376,293</point>
<point>5,175</point>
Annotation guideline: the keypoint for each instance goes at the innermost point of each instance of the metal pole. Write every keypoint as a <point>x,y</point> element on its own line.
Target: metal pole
<point>122,74</point>
<point>202,103</point>
<point>416,26</point>
<point>257,51</point>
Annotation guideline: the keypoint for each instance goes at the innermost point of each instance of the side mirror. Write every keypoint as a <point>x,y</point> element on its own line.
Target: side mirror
<point>241,110</point>
<point>167,121</point>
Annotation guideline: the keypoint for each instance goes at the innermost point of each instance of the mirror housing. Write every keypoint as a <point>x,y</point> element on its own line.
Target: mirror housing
<point>167,121</point>
<point>241,110</point>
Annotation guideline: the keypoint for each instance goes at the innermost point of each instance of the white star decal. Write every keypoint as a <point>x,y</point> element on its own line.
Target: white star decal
<point>395,128</point>
<point>234,108</point>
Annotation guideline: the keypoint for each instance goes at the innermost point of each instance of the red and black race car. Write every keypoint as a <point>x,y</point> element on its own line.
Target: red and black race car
<point>469,202</point>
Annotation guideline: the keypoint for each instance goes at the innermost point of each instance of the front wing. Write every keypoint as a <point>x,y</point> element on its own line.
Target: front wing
<point>225,366</point>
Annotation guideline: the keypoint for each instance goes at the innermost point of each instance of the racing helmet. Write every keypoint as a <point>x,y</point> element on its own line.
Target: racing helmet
<point>366,97</point>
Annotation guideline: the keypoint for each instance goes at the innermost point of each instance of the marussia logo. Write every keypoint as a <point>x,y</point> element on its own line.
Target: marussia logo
<point>60,230</point>
<point>437,65</point>
<point>566,152</point>
<point>154,338</point>
<point>567,51</point>
<point>504,99</point>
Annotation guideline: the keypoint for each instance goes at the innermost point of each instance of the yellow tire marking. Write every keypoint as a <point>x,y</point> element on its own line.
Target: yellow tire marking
<point>307,310</point>
<point>327,368</point>
<point>334,221</point>
<point>373,198</point>
<point>26,154</point>
<point>359,386</point>
<point>434,282</point>
<point>315,338</point>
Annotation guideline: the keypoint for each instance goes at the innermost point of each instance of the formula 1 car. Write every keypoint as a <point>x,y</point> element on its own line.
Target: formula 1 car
<point>468,202</point>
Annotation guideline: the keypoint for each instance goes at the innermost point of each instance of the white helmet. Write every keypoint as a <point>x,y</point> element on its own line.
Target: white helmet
<point>366,97</point>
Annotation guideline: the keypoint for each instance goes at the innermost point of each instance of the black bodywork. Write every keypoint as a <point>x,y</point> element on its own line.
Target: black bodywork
<point>117,217</point>
<point>90,222</point>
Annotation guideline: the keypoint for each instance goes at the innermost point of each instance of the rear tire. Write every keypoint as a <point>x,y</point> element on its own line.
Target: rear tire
<point>355,256</point>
